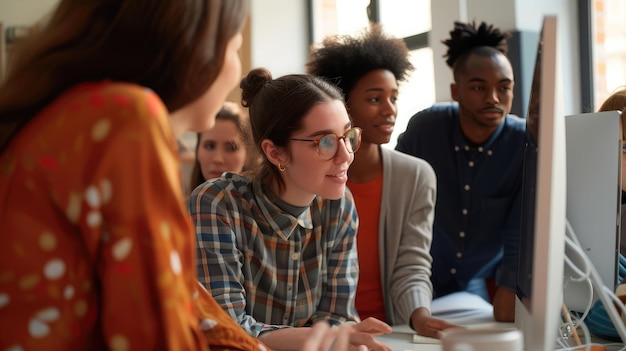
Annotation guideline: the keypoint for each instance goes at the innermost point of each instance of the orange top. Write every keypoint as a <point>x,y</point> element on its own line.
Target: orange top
<point>98,250</point>
<point>369,300</point>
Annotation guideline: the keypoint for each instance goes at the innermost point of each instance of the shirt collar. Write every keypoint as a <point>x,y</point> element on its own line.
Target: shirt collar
<point>461,142</point>
<point>284,224</point>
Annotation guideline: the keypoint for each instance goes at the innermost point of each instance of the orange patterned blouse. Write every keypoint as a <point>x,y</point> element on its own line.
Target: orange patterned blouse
<point>97,248</point>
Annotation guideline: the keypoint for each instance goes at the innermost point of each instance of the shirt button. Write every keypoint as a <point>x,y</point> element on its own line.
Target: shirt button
<point>459,254</point>
<point>456,148</point>
<point>470,163</point>
<point>295,256</point>
<point>489,152</point>
<point>462,234</point>
<point>289,287</point>
<point>464,211</point>
<point>466,148</point>
<point>480,149</point>
<point>453,271</point>
<point>466,187</point>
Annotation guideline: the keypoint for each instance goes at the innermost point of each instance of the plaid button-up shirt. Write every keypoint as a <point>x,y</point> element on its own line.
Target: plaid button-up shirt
<point>269,269</point>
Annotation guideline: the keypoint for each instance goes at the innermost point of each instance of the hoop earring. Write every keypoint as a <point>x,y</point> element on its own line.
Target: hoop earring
<point>281,167</point>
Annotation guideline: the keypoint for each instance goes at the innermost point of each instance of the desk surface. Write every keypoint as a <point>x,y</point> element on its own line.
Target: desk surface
<point>402,337</point>
<point>453,308</point>
<point>404,341</point>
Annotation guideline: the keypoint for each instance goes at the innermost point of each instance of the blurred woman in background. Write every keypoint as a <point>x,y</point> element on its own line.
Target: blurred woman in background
<point>223,148</point>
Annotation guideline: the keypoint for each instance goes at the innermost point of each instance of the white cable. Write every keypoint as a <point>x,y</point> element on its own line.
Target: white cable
<point>589,302</point>
<point>606,295</point>
<point>584,274</point>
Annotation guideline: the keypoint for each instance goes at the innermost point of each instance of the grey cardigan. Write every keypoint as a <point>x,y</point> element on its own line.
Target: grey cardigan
<point>405,234</point>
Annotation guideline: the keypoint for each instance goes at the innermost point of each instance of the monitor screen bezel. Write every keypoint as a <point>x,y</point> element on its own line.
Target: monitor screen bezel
<point>537,314</point>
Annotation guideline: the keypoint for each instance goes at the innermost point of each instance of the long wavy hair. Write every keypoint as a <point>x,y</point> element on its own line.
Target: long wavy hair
<point>175,48</point>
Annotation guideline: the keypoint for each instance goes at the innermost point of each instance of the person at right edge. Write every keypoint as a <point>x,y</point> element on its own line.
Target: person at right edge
<point>475,147</point>
<point>598,320</point>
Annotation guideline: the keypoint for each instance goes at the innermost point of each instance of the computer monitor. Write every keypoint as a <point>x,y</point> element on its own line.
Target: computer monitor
<point>594,159</point>
<point>542,235</point>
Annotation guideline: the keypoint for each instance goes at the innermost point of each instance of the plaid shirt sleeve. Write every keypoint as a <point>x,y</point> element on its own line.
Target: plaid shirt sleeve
<point>337,302</point>
<point>226,223</point>
<point>219,261</point>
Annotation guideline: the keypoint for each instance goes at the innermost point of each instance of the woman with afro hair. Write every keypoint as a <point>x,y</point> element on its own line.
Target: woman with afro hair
<point>394,193</point>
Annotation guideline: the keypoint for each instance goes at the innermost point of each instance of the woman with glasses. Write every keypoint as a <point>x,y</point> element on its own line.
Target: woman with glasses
<point>394,193</point>
<point>276,247</point>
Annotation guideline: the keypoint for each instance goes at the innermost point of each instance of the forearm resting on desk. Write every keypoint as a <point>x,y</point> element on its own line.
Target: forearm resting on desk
<point>286,339</point>
<point>426,325</point>
<point>361,334</point>
<point>504,305</point>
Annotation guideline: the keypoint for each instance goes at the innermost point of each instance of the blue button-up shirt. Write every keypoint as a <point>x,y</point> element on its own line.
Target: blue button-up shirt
<point>478,210</point>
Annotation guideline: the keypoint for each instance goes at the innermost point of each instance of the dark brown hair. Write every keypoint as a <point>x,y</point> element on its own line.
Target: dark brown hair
<point>277,108</point>
<point>228,112</point>
<point>175,48</point>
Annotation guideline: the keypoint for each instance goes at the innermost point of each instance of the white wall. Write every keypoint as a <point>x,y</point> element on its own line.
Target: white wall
<point>24,12</point>
<point>279,30</point>
<point>279,35</point>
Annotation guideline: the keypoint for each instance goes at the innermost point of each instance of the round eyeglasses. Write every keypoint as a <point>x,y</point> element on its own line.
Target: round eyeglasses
<point>328,145</point>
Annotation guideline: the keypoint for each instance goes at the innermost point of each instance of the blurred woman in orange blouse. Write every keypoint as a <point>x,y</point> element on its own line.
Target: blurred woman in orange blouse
<point>98,249</point>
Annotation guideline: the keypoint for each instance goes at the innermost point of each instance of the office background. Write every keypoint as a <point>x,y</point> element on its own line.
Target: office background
<point>279,33</point>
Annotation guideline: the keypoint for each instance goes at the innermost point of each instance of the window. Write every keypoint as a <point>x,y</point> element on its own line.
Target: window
<point>330,17</point>
<point>405,18</point>
<point>609,52</point>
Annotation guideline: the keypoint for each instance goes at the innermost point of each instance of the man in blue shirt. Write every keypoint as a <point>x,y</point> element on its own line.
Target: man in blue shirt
<point>476,149</point>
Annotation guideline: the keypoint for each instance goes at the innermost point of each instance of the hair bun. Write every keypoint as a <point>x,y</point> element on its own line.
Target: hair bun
<point>252,84</point>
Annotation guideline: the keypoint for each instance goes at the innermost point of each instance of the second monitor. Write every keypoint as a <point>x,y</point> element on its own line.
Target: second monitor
<point>594,149</point>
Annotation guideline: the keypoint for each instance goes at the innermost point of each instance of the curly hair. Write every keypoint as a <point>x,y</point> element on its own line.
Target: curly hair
<point>466,37</point>
<point>344,59</point>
